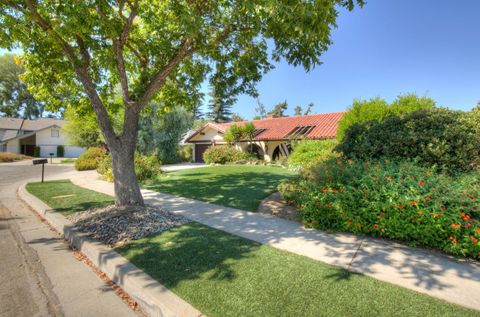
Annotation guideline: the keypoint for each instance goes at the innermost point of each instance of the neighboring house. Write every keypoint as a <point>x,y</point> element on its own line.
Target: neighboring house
<point>22,135</point>
<point>273,134</point>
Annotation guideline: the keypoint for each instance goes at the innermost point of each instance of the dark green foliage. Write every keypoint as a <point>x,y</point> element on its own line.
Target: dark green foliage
<point>186,153</point>
<point>224,154</point>
<point>377,109</point>
<point>60,150</point>
<point>432,136</point>
<point>400,201</point>
<point>36,151</point>
<point>90,159</point>
<point>279,109</point>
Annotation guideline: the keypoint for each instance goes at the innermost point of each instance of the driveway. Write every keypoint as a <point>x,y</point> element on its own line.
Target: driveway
<point>39,274</point>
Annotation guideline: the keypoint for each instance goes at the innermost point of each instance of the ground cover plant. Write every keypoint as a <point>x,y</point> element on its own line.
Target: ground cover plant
<point>67,198</point>
<point>238,186</point>
<point>225,275</point>
<point>401,201</point>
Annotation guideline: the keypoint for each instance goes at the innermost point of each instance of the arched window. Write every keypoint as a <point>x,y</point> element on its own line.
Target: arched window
<point>282,150</point>
<point>256,150</point>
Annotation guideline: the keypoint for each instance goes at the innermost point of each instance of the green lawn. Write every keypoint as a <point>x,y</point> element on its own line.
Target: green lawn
<point>225,275</point>
<point>237,186</point>
<point>66,197</point>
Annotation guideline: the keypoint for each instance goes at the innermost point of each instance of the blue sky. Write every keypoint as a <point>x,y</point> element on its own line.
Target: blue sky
<point>390,47</point>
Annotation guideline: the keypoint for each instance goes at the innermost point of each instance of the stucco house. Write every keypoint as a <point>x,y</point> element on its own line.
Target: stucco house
<point>273,135</point>
<point>21,136</point>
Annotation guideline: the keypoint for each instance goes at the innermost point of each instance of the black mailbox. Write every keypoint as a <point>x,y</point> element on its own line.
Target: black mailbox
<point>40,161</point>
<point>43,162</point>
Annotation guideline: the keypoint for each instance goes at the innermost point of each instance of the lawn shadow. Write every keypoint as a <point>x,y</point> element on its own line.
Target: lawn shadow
<point>189,252</point>
<point>237,190</point>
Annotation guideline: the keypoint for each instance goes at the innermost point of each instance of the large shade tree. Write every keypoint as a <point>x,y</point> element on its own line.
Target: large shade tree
<point>163,50</point>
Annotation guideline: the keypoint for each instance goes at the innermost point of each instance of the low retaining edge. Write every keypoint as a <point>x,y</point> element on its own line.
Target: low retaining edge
<point>154,298</point>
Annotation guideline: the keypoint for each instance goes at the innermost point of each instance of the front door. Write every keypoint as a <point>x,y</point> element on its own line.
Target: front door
<point>199,150</point>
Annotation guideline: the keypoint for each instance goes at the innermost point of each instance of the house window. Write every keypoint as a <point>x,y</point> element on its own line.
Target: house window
<point>301,130</point>
<point>55,133</point>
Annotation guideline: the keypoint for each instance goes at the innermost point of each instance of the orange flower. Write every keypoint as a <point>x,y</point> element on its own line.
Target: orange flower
<point>455,225</point>
<point>474,240</point>
<point>383,230</point>
<point>375,226</point>
<point>413,203</point>
<point>435,215</point>
<point>420,212</point>
<point>314,222</point>
<point>421,183</point>
<point>467,225</point>
<point>477,231</point>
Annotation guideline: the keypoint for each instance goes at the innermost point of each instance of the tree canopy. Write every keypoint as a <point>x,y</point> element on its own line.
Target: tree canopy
<point>279,109</point>
<point>15,100</point>
<point>82,53</point>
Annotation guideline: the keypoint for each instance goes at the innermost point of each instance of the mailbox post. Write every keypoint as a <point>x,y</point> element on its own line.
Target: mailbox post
<point>51,158</point>
<point>41,161</point>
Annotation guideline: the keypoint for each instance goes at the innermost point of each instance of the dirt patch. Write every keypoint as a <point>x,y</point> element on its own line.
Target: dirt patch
<point>276,206</point>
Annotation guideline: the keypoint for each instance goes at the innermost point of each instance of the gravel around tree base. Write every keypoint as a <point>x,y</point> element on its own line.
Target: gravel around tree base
<point>114,226</point>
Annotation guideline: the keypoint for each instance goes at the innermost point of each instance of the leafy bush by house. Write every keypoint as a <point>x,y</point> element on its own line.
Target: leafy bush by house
<point>10,157</point>
<point>432,136</point>
<point>36,151</point>
<point>377,109</point>
<point>400,201</point>
<point>186,153</point>
<point>89,159</point>
<point>60,151</point>
<point>308,152</point>
<point>224,154</point>
<point>146,167</point>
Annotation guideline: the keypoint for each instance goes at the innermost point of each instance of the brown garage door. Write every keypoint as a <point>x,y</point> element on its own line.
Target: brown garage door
<point>199,149</point>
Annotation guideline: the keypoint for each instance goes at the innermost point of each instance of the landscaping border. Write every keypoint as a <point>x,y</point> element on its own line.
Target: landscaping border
<point>154,298</point>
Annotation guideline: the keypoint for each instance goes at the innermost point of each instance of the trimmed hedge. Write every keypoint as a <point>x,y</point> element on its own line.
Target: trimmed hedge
<point>432,136</point>
<point>399,201</point>
<point>60,150</point>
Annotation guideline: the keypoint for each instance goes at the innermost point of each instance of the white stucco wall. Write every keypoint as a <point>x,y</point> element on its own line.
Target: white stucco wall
<point>13,146</point>
<point>48,144</point>
<point>208,135</point>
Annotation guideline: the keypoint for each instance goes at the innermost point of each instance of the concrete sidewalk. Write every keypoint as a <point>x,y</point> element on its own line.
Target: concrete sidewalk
<point>428,272</point>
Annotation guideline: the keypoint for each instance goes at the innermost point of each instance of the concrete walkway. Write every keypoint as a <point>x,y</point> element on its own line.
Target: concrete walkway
<point>428,272</point>
<point>181,166</point>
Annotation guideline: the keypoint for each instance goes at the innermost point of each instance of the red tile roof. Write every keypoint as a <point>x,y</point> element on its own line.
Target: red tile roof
<point>280,128</point>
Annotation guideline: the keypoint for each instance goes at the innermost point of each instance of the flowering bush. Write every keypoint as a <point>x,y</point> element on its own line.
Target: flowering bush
<point>400,201</point>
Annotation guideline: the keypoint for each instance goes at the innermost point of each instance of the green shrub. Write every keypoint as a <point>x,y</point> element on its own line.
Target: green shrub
<point>399,201</point>
<point>146,167</point>
<point>186,153</point>
<point>432,136</point>
<point>36,151</point>
<point>60,150</point>
<point>89,159</point>
<point>224,154</point>
<point>308,152</point>
<point>377,109</point>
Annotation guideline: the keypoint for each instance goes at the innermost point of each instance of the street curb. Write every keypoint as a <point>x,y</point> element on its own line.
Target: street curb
<point>154,298</point>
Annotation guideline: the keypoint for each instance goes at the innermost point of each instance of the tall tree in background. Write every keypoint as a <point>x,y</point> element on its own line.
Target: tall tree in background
<point>15,100</point>
<point>298,111</point>
<point>260,110</point>
<point>219,107</point>
<point>279,109</point>
<point>159,50</point>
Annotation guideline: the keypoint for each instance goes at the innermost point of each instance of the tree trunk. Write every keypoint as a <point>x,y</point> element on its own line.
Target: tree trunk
<point>127,191</point>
